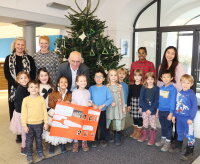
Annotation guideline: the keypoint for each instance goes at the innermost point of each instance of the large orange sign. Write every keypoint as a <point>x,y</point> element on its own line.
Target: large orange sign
<point>75,121</point>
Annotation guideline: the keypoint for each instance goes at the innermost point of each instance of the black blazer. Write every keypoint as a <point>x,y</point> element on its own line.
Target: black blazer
<point>64,70</point>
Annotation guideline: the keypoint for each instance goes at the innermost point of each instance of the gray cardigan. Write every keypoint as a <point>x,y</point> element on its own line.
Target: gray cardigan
<point>64,70</point>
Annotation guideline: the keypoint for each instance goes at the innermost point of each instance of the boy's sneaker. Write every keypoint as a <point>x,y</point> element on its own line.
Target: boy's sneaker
<point>166,146</point>
<point>85,146</point>
<point>41,155</point>
<point>188,155</point>
<point>75,147</point>
<point>30,159</point>
<point>103,143</point>
<point>23,150</point>
<point>161,142</point>
<point>94,144</point>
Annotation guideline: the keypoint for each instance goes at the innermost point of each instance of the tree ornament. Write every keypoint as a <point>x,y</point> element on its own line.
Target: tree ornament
<point>82,36</point>
<point>105,52</point>
<point>92,52</point>
<point>91,32</point>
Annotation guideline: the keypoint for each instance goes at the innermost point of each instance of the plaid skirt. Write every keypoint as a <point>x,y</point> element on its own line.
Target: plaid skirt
<point>134,112</point>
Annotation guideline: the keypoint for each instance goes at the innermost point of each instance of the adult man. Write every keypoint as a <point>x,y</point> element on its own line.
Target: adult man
<point>72,68</point>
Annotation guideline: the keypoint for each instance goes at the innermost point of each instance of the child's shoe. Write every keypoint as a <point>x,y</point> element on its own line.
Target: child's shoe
<point>118,138</point>
<point>75,147</point>
<point>144,135</point>
<point>23,150</point>
<point>188,153</point>
<point>161,142</point>
<point>134,131</point>
<point>51,149</point>
<point>40,155</point>
<point>30,159</point>
<point>176,146</point>
<point>166,146</point>
<point>152,137</point>
<point>138,134</point>
<point>103,143</point>
<point>85,146</point>
<point>18,139</point>
<point>63,148</point>
<point>94,144</point>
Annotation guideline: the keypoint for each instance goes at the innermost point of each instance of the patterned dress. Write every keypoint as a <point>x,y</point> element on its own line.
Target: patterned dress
<point>133,100</point>
<point>48,60</point>
<point>116,113</point>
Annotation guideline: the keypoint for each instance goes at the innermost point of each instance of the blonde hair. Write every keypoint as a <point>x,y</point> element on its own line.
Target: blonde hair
<point>14,43</point>
<point>147,75</point>
<point>44,38</point>
<point>122,70</point>
<point>187,77</point>
<point>22,73</point>
<point>109,74</point>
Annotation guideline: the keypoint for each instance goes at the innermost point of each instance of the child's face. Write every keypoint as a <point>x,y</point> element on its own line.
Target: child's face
<point>113,76</point>
<point>99,78</point>
<point>121,75</point>
<point>23,79</point>
<point>138,78</point>
<point>166,78</point>
<point>33,89</point>
<point>186,84</point>
<point>150,81</point>
<point>43,77</point>
<point>63,83</point>
<point>82,82</point>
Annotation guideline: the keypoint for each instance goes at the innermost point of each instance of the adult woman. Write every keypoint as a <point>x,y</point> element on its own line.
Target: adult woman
<point>18,61</point>
<point>46,58</point>
<point>170,62</point>
<point>142,64</point>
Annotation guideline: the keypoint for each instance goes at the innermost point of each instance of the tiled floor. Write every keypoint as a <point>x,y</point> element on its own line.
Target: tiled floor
<point>10,151</point>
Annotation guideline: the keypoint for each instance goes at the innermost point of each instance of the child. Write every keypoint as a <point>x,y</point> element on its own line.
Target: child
<point>15,124</point>
<point>116,112</point>
<point>186,109</point>
<point>101,98</point>
<point>133,104</point>
<point>46,85</point>
<point>61,94</point>
<point>148,101</point>
<point>81,96</point>
<point>34,118</point>
<point>167,105</point>
<point>122,73</point>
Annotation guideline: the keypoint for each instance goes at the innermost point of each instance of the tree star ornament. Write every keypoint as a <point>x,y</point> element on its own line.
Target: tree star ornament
<point>82,36</point>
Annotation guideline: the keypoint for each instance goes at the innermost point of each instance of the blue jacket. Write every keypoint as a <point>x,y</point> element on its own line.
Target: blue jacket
<point>167,98</point>
<point>186,104</point>
<point>152,103</point>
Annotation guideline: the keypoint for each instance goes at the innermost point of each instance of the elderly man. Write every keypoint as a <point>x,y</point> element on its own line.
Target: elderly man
<point>72,68</point>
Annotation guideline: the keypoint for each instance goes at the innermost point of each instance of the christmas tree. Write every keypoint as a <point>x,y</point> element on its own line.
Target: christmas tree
<point>86,36</point>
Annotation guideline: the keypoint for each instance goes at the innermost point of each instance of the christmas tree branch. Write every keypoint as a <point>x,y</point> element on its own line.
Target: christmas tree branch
<point>95,7</point>
<point>78,6</point>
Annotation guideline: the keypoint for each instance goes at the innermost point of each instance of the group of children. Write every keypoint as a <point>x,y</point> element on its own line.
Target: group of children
<point>35,102</point>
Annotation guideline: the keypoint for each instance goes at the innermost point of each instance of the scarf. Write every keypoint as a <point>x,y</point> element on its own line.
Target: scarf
<point>12,64</point>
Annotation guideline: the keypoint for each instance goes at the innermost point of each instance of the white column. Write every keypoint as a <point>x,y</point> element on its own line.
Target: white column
<point>29,35</point>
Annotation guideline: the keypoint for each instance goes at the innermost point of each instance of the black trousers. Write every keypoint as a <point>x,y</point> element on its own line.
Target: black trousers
<point>101,133</point>
<point>138,121</point>
<point>35,132</point>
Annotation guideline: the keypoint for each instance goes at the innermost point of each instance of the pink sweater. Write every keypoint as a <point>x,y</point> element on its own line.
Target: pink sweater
<point>179,72</point>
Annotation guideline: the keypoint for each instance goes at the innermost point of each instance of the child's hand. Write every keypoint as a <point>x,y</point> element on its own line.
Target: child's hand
<point>94,106</point>
<point>148,112</point>
<point>68,102</point>
<point>140,110</point>
<point>157,115</point>
<point>113,104</point>
<point>124,110</point>
<point>46,126</point>
<point>26,129</point>
<point>174,119</point>
<point>169,117</point>
<point>89,103</point>
<point>102,106</point>
<point>59,100</point>
<point>128,108</point>
<point>189,122</point>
